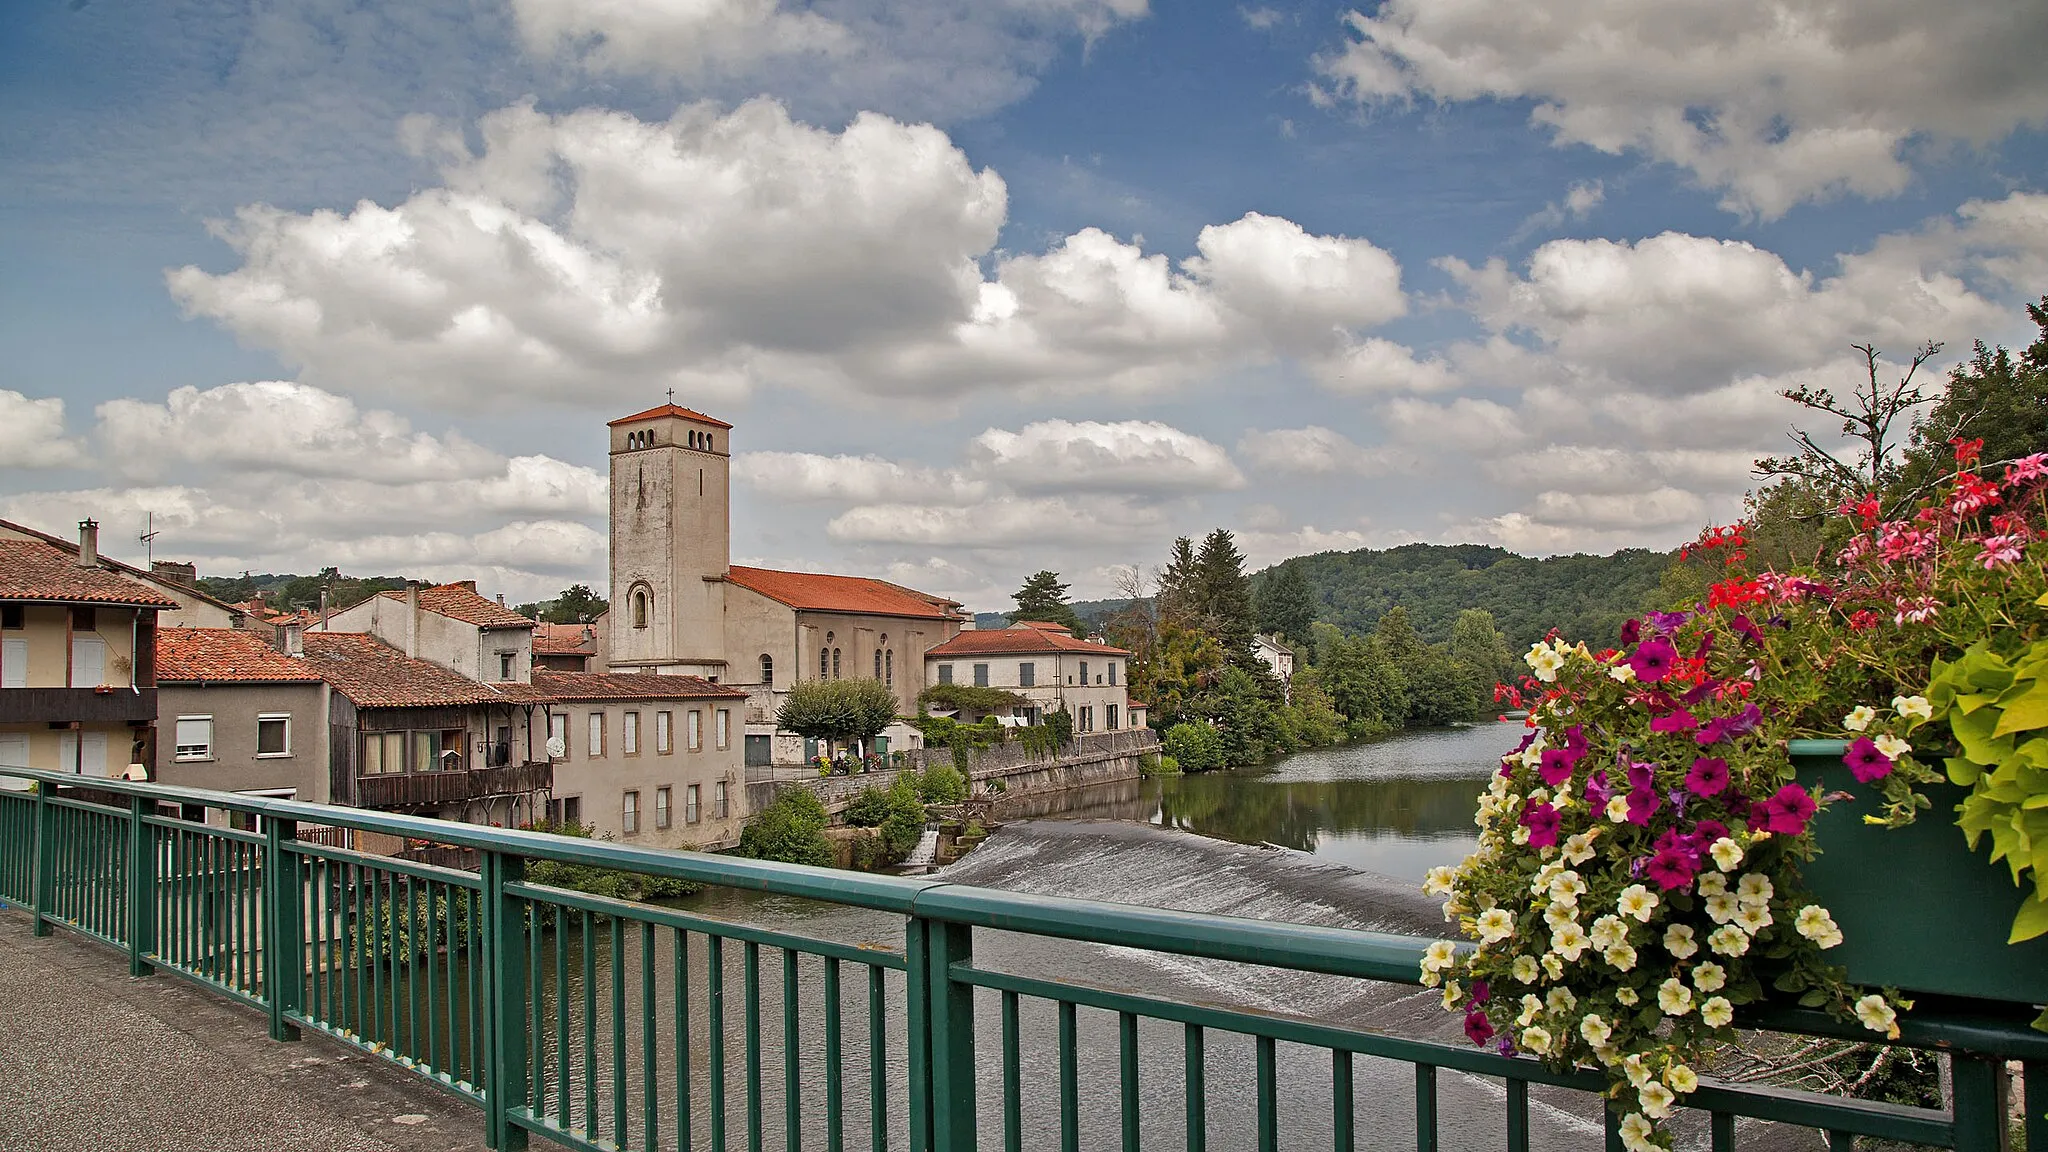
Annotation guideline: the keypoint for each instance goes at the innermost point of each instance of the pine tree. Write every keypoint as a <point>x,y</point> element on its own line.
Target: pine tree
<point>1286,606</point>
<point>1223,595</point>
<point>1177,583</point>
<point>1043,597</point>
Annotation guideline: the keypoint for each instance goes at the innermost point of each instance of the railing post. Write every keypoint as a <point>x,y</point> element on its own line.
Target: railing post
<point>505,1006</point>
<point>952,1038</point>
<point>141,887</point>
<point>46,860</point>
<point>1981,1096</point>
<point>284,926</point>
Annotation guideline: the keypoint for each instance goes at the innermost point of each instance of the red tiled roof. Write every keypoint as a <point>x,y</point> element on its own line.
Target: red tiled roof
<point>630,686</point>
<point>669,410</point>
<point>1046,626</point>
<point>35,570</point>
<point>225,656</point>
<point>997,641</point>
<point>70,548</point>
<point>461,602</point>
<point>373,674</point>
<point>564,640</point>
<point>815,592</point>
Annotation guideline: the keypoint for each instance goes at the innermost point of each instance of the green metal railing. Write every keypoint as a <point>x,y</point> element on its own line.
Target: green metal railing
<point>602,1024</point>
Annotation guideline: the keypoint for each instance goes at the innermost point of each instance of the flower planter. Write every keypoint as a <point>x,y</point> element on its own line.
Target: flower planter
<point>1918,909</point>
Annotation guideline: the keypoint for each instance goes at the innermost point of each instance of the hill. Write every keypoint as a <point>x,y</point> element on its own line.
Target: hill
<point>1587,597</point>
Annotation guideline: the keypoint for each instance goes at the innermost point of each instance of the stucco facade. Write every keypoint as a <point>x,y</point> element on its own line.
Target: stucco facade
<point>677,756</point>
<point>485,647</point>
<point>237,718</point>
<point>670,542</point>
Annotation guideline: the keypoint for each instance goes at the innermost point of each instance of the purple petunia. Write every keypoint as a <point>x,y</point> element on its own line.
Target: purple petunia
<point>1747,629</point>
<point>1541,820</point>
<point>1788,810</point>
<point>1641,776</point>
<point>1672,868</point>
<point>1556,766</point>
<point>1478,1028</point>
<point>1631,631</point>
<point>1865,762</point>
<point>1708,776</point>
<point>1678,720</point>
<point>1652,659</point>
<point>1597,791</point>
<point>1669,621</point>
<point>1642,804</point>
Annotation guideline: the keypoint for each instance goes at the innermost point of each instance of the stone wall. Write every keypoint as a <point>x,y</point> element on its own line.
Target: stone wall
<point>1093,759</point>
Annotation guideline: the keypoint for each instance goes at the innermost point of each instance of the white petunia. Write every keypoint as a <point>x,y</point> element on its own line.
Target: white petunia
<point>1709,977</point>
<point>1877,1015</point>
<point>1568,940</point>
<point>1682,1079</point>
<point>1753,918</point>
<point>1623,672</point>
<point>1674,997</point>
<point>1727,855</point>
<point>1560,1000</point>
<point>1637,901</point>
<point>1728,940</point>
<point>1579,849</point>
<point>1525,969</point>
<point>1595,1030</point>
<point>1452,995</point>
<point>1608,931</point>
<point>1625,996</point>
<point>1656,1100</point>
<point>1859,718</point>
<point>1716,1012</point>
<point>1636,1132</point>
<point>1621,956</point>
<point>1678,940</point>
<point>1754,888</point>
<point>1494,925</point>
<point>1722,907</point>
<point>1567,886</point>
<point>1559,915</point>
<point>1552,966</point>
<point>1544,661</point>
<point>1531,1008</point>
<point>1892,746</point>
<point>1617,809</point>
<point>1713,883</point>
<point>1536,1038</point>
<point>1439,955</point>
<point>1914,708</point>
<point>1438,880</point>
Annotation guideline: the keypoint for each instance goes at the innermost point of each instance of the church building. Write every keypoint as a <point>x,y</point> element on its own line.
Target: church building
<point>679,606</point>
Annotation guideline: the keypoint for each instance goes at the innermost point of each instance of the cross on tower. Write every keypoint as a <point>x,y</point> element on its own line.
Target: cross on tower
<point>671,395</point>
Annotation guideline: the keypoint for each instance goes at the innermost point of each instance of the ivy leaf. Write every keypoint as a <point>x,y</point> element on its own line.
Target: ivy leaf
<point>2024,710</point>
<point>2032,920</point>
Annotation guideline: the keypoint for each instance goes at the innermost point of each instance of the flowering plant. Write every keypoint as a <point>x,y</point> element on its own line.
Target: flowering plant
<point>1638,871</point>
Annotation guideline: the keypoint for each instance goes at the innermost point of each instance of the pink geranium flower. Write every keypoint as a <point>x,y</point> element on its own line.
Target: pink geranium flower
<point>1999,550</point>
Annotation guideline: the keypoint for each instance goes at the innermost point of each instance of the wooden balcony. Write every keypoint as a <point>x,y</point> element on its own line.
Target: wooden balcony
<point>84,705</point>
<point>434,789</point>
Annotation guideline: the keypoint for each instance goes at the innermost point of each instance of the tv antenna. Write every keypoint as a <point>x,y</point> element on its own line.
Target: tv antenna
<point>148,539</point>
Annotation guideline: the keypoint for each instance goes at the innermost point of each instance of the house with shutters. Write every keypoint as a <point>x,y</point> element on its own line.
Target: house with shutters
<point>646,759</point>
<point>1048,667</point>
<point>240,715</point>
<point>191,608</point>
<point>77,658</point>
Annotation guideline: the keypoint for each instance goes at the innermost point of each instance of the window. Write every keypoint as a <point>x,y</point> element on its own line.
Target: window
<point>878,663</point>
<point>596,734</point>
<point>981,675</point>
<point>642,602</point>
<point>501,746</point>
<point>692,799</point>
<point>195,738</point>
<point>84,618</point>
<point>567,811</point>
<point>273,734</point>
<point>1027,675</point>
<point>1084,673</point>
<point>889,668</point>
<point>14,663</point>
<point>1086,719</point>
<point>694,732</point>
<point>824,663</point>
<point>558,729</point>
<point>630,746</point>
<point>505,665</point>
<point>426,751</point>
<point>721,728</point>
<point>1109,713</point>
<point>835,663</point>
<point>664,733</point>
<point>718,809</point>
<point>1112,677</point>
<point>12,616</point>
<point>945,673</point>
<point>663,801</point>
<point>629,814</point>
<point>767,670</point>
<point>383,752</point>
<point>88,661</point>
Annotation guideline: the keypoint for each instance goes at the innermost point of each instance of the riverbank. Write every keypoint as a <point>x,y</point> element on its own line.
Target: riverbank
<point>1005,770</point>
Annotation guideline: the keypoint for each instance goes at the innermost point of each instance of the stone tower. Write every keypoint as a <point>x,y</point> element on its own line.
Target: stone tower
<point>670,541</point>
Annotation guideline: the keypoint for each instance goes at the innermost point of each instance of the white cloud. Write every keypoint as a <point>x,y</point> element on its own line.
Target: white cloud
<point>32,433</point>
<point>808,476</point>
<point>1132,456</point>
<point>1378,365</point>
<point>1773,102</point>
<point>689,39</point>
<point>1261,19</point>
<point>1002,522</point>
<point>590,257</point>
<point>1319,451</point>
<point>1468,424</point>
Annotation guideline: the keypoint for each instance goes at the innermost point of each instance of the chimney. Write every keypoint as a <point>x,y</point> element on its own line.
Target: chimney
<point>291,638</point>
<point>88,543</point>
<point>501,599</point>
<point>323,609</point>
<point>412,618</point>
<point>465,585</point>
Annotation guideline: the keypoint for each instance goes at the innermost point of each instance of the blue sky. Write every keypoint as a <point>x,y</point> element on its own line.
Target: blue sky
<point>986,287</point>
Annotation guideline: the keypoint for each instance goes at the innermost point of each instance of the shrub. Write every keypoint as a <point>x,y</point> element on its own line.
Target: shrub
<point>906,818</point>
<point>608,882</point>
<point>1158,766</point>
<point>868,809</point>
<point>942,784</point>
<point>1194,747</point>
<point>790,830</point>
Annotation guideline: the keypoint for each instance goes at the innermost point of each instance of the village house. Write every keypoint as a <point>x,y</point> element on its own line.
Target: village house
<point>191,608</point>
<point>243,716</point>
<point>1274,654</point>
<point>1045,665</point>
<point>77,658</point>
<point>446,624</point>
<point>564,647</point>
<point>646,759</point>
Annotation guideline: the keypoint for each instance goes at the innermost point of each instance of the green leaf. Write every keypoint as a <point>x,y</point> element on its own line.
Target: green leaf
<point>1974,733</point>
<point>1813,999</point>
<point>2025,709</point>
<point>1963,771</point>
<point>2031,922</point>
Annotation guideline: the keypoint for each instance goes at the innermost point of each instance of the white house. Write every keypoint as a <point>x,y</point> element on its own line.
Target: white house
<point>1045,665</point>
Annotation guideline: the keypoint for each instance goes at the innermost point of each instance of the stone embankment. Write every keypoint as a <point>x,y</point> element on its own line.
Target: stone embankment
<point>1006,770</point>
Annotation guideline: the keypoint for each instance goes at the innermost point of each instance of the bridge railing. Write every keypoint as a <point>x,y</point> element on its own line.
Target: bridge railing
<point>603,1024</point>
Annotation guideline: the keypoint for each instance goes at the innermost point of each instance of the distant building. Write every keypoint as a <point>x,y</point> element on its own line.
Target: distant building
<point>447,624</point>
<point>564,647</point>
<point>1044,664</point>
<point>647,759</point>
<point>77,657</point>
<point>1275,655</point>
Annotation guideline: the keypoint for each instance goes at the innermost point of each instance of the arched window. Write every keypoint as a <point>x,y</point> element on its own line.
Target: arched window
<point>643,603</point>
<point>693,439</point>
<point>707,442</point>
<point>889,668</point>
<point>824,663</point>
<point>767,669</point>
<point>835,663</point>
<point>878,663</point>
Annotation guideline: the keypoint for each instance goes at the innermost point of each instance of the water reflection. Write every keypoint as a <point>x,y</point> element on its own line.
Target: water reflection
<point>1395,806</point>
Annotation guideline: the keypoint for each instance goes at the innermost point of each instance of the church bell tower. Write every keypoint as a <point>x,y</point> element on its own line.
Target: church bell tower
<point>670,541</point>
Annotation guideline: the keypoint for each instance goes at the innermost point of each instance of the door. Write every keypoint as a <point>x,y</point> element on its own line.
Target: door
<point>760,751</point>
<point>13,663</point>
<point>88,662</point>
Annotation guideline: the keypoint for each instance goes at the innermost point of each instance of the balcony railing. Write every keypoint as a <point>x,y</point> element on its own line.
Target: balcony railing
<point>110,705</point>
<point>598,1023</point>
<point>453,786</point>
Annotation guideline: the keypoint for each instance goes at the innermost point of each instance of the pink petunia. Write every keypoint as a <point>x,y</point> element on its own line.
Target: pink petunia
<point>1789,809</point>
<point>1672,868</point>
<point>1675,721</point>
<point>1653,659</point>
<point>1866,762</point>
<point>1541,820</point>
<point>1643,804</point>
<point>1708,776</point>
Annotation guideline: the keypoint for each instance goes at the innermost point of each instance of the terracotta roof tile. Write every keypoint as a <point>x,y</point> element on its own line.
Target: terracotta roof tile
<point>70,548</point>
<point>461,602</point>
<point>669,410</point>
<point>373,674</point>
<point>1046,626</point>
<point>565,639</point>
<point>816,592</point>
<point>998,641</point>
<point>630,686</point>
<point>225,656</point>
<point>35,570</point>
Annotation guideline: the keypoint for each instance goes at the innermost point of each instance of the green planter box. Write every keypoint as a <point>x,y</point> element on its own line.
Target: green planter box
<point>1918,910</point>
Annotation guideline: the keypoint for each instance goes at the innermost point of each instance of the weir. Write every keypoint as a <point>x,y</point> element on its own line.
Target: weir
<point>895,1013</point>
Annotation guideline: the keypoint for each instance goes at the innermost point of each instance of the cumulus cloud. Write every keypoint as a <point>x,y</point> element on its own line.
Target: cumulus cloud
<point>809,476</point>
<point>1319,451</point>
<point>1773,102</point>
<point>688,39</point>
<point>1132,456</point>
<point>584,257</point>
<point>32,433</point>
<point>1006,521</point>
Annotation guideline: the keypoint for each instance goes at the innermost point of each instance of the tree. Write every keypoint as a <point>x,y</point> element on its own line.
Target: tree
<point>1196,747</point>
<point>792,830</point>
<point>1477,644</point>
<point>576,604</point>
<point>967,698</point>
<point>843,710</point>
<point>1223,595</point>
<point>1286,605</point>
<point>1995,396</point>
<point>1314,716</point>
<point>1043,597</point>
<point>1177,584</point>
<point>1867,416</point>
<point>1364,685</point>
<point>1396,636</point>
